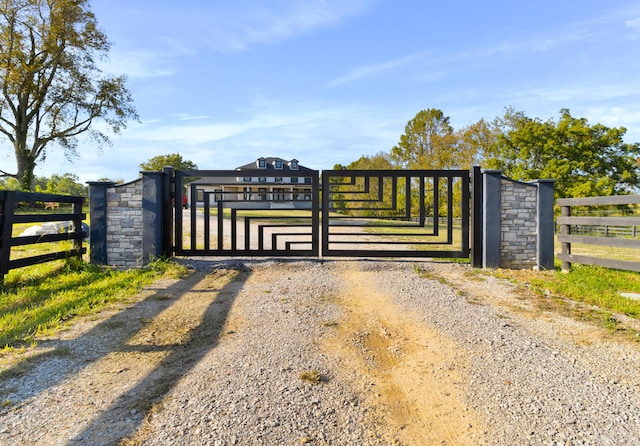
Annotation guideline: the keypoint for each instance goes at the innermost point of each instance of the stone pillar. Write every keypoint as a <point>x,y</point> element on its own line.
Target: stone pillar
<point>152,218</point>
<point>545,224</point>
<point>98,221</point>
<point>491,218</point>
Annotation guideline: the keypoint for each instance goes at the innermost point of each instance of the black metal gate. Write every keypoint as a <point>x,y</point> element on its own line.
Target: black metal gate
<point>386,213</point>
<point>247,213</point>
<point>395,213</point>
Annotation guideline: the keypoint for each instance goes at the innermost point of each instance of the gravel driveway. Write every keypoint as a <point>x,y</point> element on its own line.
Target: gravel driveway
<point>266,352</point>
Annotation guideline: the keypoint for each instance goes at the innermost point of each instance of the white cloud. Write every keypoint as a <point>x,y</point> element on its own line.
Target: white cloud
<point>365,71</point>
<point>634,23</point>
<point>237,26</point>
<point>138,63</point>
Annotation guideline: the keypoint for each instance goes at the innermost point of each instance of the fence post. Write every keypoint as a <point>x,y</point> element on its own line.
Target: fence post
<point>566,230</point>
<point>491,218</point>
<point>476,217</point>
<point>545,226</point>
<point>152,216</point>
<point>98,221</point>
<point>168,192</point>
<point>7,209</point>
<point>77,227</point>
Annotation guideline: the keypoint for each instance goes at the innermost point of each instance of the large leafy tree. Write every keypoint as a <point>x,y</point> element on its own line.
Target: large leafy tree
<point>52,88</point>
<point>174,160</point>
<point>585,160</point>
<point>428,142</point>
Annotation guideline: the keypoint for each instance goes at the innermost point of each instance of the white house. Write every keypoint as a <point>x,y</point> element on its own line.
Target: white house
<point>269,183</point>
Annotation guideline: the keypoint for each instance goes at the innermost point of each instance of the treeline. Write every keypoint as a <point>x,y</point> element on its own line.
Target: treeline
<point>65,184</point>
<point>584,159</point>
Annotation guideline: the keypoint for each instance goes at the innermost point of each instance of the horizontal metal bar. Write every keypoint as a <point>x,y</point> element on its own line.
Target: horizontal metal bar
<point>392,253</point>
<point>248,253</point>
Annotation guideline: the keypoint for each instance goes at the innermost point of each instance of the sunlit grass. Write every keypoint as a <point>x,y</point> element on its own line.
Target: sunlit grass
<point>590,285</point>
<point>38,299</point>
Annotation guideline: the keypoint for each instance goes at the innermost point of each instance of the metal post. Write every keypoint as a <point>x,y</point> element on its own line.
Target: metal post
<point>476,217</point>
<point>98,221</point>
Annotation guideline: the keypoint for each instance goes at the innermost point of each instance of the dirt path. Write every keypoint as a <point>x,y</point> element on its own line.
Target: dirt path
<point>414,375</point>
<point>369,353</point>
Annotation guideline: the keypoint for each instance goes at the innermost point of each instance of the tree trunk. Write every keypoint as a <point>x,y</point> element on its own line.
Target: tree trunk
<point>26,165</point>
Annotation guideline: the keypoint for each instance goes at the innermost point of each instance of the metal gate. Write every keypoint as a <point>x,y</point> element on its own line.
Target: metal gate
<point>247,213</point>
<point>385,213</point>
<point>395,213</point>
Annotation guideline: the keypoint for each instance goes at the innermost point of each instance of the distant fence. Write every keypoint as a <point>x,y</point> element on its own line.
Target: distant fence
<point>16,208</point>
<point>607,231</point>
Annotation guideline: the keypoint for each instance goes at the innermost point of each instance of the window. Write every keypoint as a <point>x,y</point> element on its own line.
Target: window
<point>262,163</point>
<point>277,164</point>
<point>262,193</point>
<point>247,179</point>
<point>278,179</point>
<point>293,164</point>
<point>294,180</point>
<point>262,179</point>
<point>278,194</point>
<point>247,193</point>
<point>307,181</point>
<point>200,195</point>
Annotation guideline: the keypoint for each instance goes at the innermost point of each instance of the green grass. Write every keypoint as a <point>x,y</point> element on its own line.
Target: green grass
<point>597,289</point>
<point>35,301</point>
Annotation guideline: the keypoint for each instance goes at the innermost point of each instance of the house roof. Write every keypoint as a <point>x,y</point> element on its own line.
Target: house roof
<point>270,164</point>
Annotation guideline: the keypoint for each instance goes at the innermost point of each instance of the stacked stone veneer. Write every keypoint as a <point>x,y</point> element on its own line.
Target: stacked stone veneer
<point>127,227</point>
<point>517,222</point>
<point>124,224</point>
<point>518,225</point>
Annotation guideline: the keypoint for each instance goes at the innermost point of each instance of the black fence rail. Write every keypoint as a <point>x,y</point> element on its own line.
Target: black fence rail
<point>17,208</point>
<point>614,232</point>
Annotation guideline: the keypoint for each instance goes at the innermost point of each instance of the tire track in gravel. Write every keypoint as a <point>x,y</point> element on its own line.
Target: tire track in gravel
<point>413,377</point>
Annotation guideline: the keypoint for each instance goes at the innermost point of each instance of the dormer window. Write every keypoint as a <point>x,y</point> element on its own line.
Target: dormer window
<point>293,164</point>
<point>262,163</point>
<point>277,164</point>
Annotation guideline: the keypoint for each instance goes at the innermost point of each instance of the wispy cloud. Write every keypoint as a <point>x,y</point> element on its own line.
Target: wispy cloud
<point>634,23</point>
<point>141,64</point>
<point>371,70</point>
<point>237,26</point>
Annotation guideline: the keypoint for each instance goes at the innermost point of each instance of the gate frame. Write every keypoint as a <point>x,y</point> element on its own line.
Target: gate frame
<point>177,245</point>
<point>471,209</point>
<point>449,174</point>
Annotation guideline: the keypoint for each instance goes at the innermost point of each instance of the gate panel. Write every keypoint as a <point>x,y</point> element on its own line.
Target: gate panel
<point>389,213</point>
<point>244,213</point>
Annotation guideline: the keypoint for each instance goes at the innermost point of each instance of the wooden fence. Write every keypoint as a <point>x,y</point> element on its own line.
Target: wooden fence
<point>15,207</point>
<point>609,231</point>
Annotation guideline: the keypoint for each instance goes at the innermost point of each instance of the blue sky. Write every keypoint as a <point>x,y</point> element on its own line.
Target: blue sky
<point>326,81</point>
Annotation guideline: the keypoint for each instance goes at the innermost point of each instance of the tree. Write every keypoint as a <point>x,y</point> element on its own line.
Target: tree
<point>52,89</point>
<point>171,160</point>
<point>473,141</point>
<point>585,160</point>
<point>65,184</point>
<point>428,142</point>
